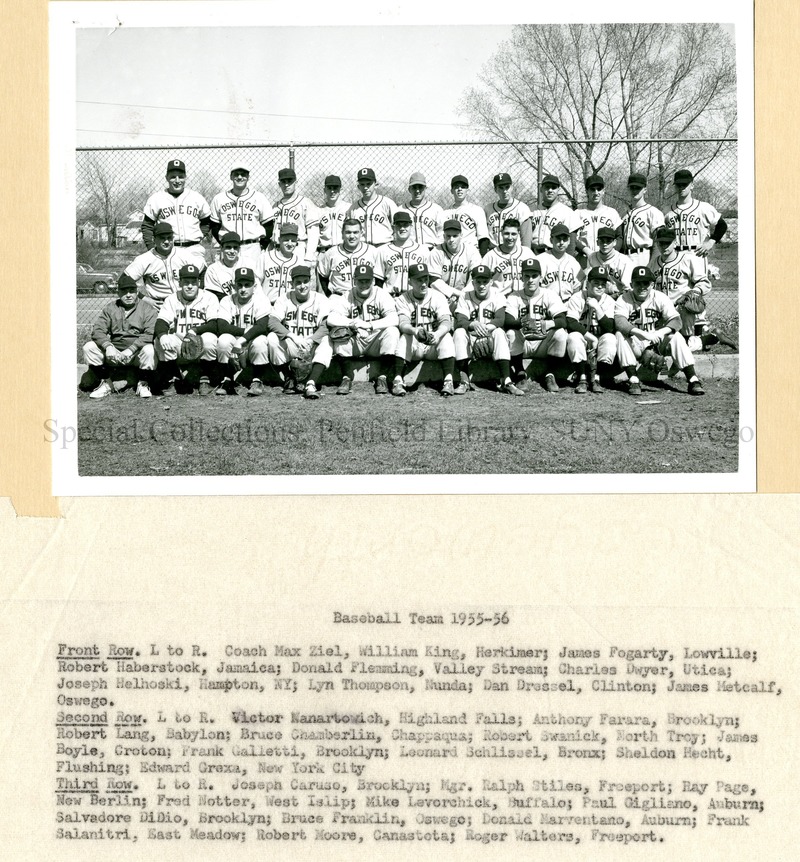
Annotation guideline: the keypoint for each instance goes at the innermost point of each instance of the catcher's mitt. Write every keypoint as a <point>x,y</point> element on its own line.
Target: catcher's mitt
<point>425,336</point>
<point>651,359</point>
<point>301,364</point>
<point>482,347</point>
<point>533,329</point>
<point>340,333</point>
<point>191,348</point>
<point>694,302</point>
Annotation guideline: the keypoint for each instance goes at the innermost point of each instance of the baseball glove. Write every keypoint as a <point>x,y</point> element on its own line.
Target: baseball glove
<point>301,364</point>
<point>533,329</point>
<point>191,348</point>
<point>340,333</point>
<point>425,336</point>
<point>694,302</point>
<point>651,359</point>
<point>482,347</point>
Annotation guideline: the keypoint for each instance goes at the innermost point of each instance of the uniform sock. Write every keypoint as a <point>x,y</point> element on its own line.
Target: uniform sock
<point>448,366</point>
<point>505,369</point>
<point>516,364</point>
<point>463,366</point>
<point>604,369</point>
<point>258,371</point>
<point>387,364</point>
<point>578,369</point>
<point>208,369</point>
<point>317,370</point>
<point>630,370</point>
<point>399,365</point>
<point>284,371</point>
<point>689,372</point>
<point>345,366</point>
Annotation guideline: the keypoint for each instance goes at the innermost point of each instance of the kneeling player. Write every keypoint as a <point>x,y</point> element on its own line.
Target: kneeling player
<point>297,332</point>
<point>536,324</point>
<point>366,320</point>
<point>644,318</point>
<point>480,316</point>
<point>239,342</point>
<point>424,322</point>
<point>188,310</point>
<point>122,339</point>
<point>591,341</point>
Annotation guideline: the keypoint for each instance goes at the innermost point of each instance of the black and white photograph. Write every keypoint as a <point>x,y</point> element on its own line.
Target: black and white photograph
<point>400,254</point>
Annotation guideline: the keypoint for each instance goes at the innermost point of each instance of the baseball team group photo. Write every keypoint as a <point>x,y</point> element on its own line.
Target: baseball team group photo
<point>514,304</point>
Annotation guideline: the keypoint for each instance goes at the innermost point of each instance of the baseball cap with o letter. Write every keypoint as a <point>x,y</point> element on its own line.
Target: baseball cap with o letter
<point>176,166</point>
<point>600,273</point>
<point>366,174</point>
<point>530,265</point>
<point>642,273</point>
<point>244,274</point>
<point>481,271</point>
<point>189,270</point>
<point>418,270</point>
<point>363,270</point>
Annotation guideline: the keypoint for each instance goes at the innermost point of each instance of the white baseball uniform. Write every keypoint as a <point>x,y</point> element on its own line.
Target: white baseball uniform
<point>543,305</point>
<point>542,220</point>
<point>429,313</point>
<point>219,279</point>
<point>393,261</point>
<point>303,320</point>
<point>591,220</point>
<point>378,307</point>
<point>505,266</point>
<point>376,219</point>
<point>244,316</point>
<point>244,214</point>
<point>676,276</point>
<point>489,311</point>
<point>330,224</point>
<point>303,212</point>
<point>277,272</point>
<point>180,317</point>
<point>618,264</point>
<point>183,212</point>
<point>654,313</point>
<point>639,225</point>
<point>563,275</point>
<point>577,309</point>
<point>473,222</point>
<point>497,216</point>
<point>427,222</point>
<point>455,269</point>
<point>337,265</point>
<point>157,275</point>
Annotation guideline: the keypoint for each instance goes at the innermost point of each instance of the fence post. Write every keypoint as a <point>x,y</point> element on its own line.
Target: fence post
<point>291,156</point>
<point>539,166</point>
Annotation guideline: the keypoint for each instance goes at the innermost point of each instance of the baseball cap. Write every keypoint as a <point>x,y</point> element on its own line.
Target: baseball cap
<point>162,228</point>
<point>240,166</point>
<point>363,270</point>
<point>551,180</point>
<point>288,229</point>
<point>642,273</point>
<point>286,174</point>
<point>637,180</point>
<point>126,283</point>
<point>244,273</point>
<point>501,179</point>
<point>417,179</point>
<point>333,180</point>
<point>230,236</point>
<point>559,230</point>
<point>189,270</point>
<point>607,232</point>
<point>301,271</point>
<point>683,176</point>
<point>665,234</point>
<point>401,217</point>
<point>366,174</point>
<point>594,180</point>
<point>452,224</point>
<point>459,178</point>
<point>600,273</point>
<point>176,165</point>
<point>530,265</point>
<point>418,270</point>
<point>481,271</point>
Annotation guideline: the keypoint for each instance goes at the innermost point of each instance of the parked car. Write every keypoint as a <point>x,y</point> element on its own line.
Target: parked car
<point>91,281</point>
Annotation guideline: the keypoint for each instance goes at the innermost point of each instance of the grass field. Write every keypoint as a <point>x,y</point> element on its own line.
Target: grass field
<point>664,431</point>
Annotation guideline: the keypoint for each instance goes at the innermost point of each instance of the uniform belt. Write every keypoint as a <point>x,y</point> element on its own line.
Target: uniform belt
<point>323,247</point>
<point>687,248</point>
<point>247,241</point>
<point>184,243</point>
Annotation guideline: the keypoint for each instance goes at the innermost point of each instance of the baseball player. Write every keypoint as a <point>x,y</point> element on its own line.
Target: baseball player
<point>122,339</point>
<point>590,331</point>
<point>698,226</point>
<point>189,310</point>
<point>474,230</point>
<point>278,263</point>
<point>506,260</point>
<point>536,324</point>
<point>186,210</point>
<point>561,273</point>
<point>243,211</point>
<point>295,209</point>
<point>506,208</point>
<point>640,223</point>
<point>481,313</point>
<point>237,342</point>
<point>594,215</point>
<point>646,318</point>
<point>336,266</point>
<point>157,269</point>
<point>297,325</point>
<point>427,217</point>
<point>373,211</point>
<point>393,260</point>
<point>455,260</point>
<point>220,276</point>
<point>424,321</point>
<point>369,315</point>
<point>332,215</point>
<point>617,264</point>
<point>553,212</point>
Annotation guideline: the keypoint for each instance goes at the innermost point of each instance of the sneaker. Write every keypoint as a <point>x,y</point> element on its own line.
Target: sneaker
<point>255,388</point>
<point>398,387</point>
<point>120,385</point>
<point>447,387</point>
<point>345,386</point>
<point>696,388</point>
<point>227,387</point>
<point>634,388</point>
<point>143,389</point>
<point>512,389</point>
<point>102,390</point>
<point>311,390</point>
<point>463,386</point>
<point>381,386</point>
<point>550,383</point>
<point>204,388</point>
<point>582,387</point>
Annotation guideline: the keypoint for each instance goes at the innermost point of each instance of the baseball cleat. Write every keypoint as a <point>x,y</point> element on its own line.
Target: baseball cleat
<point>89,381</point>
<point>714,335</point>
<point>143,389</point>
<point>634,388</point>
<point>120,385</point>
<point>204,388</point>
<point>227,387</point>
<point>102,390</point>
<point>581,387</point>
<point>512,389</point>
<point>289,386</point>
<point>169,390</point>
<point>345,386</point>
<point>398,387</point>
<point>255,388</point>
<point>447,388</point>
<point>381,386</point>
<point>550,383</point>
<point>311,390</point>
<point>696,388</point>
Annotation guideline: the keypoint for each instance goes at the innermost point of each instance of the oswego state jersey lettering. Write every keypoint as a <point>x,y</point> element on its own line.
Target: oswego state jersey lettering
<point>485,309</point>
<point>638,226</point>
<point>245,315</point>
<point>656,311</point>
<point>543,305</point>
<point>301,320</point>
<point>243,214</point>
<point>182,317</point>
<point>497,216</point>
<point>428,312</point>
<point>182,212</point>
<point>377,306</point>
<point>692,224</point>
<point>337,265</point>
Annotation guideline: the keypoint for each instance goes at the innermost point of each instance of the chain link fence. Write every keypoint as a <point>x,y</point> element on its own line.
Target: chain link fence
<point>112,185</point>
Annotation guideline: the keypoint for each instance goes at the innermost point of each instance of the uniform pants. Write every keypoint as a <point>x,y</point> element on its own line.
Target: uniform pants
<point>381,343</point>
<point>630,348</point>
<point>255,352</point>
<point>463,340</point>
<point>169,346</point>
<point>144,358</point>
<point>553,344</point>
<point>411,350</point>
<point>606,347</point>
<point>282,350</point>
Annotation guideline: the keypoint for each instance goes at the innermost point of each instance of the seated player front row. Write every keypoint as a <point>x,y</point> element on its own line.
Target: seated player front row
<point>244,334</point>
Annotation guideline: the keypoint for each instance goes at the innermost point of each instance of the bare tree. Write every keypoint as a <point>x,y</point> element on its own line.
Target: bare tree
<point>102,192</point>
